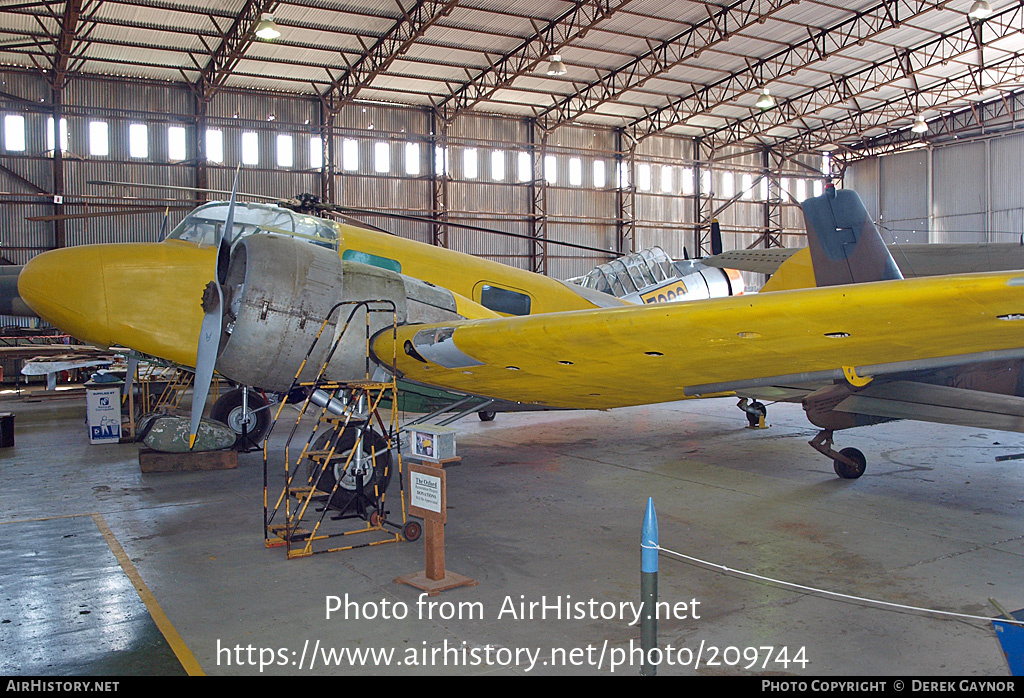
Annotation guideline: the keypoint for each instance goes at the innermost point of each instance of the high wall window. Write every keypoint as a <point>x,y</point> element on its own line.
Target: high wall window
<point>63,134</point>
<point>801,189</point>
<point>469,163</point>
<point>666,179</point>
<point>412,159</point>
<point>763,189</point>
<point>350,154</point>
<point>285,150</point>
<point>441,164</point>
<point>138,140</point>
<point>600,180</point>
<point>316,152</point>
<point>575,172</point>
<point>250,148</point>
<point>623,175</point>
<point>99,138</point>
<point>687,181</point>
<point>381,156</point>
<point>14,132</point>
<point>550,169</point>
<point>214,145</point>
<point>524,167</point>
<point>643,176</point>
<point>747,182</point>
<point>819,187</point>
<point>728,185</point>
<point>705,182</point>
<point>498,165</point>
<point>177,144</point>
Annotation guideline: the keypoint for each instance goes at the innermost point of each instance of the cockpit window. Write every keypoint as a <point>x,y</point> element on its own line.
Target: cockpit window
<point>202,225</point>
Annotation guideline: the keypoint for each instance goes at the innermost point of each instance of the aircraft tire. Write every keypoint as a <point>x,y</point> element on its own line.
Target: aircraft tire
<point>486,415</point>
<point>381,471</point>
<point>228,410</point>
<point>845,471</point>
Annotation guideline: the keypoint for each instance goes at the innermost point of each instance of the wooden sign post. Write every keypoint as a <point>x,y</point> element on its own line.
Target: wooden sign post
<point>428,500</point>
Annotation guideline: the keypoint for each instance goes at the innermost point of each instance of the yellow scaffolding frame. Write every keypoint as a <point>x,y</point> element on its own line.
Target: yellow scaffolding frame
<point>359,402</point>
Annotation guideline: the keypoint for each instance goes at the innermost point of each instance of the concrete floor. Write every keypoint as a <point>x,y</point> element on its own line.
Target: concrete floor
<point>550,505</point>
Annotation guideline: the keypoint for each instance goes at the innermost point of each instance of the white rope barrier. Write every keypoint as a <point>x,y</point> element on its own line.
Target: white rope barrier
<point>825,592</point>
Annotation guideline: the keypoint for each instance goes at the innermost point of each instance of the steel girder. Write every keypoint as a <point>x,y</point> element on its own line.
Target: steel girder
<point>719,25</point>
<point>904,64</point>
<point>939,94</point>
<point>818,46</point>
<point>234,43</point>
<point>549,39</point>
<point>376,58</point>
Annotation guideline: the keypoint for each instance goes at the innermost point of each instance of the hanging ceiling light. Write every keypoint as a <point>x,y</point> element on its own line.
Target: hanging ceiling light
<point>980,9</point>
<point>556,67</point>
<point>267,28</point>
<point>765,101</point>
<point>920,126</point>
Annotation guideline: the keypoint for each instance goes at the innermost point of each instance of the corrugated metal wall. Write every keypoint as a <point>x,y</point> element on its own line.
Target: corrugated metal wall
<point>576,209</point>
<point>974,192</point>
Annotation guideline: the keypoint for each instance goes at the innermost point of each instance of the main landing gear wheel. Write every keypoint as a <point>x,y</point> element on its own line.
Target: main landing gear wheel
<point>381,467</point>
<point>255,424</point>
<point>847,471</point>
<point>486,415</point>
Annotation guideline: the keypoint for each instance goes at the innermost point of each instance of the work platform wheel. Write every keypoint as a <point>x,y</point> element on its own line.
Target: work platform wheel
<point>228,410</point>
<point>373,443</point>
<point>845,470</point>
<point>412,531</point>
<point>486,415</point>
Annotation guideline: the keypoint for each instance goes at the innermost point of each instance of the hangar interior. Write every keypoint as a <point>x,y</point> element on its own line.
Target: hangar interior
<point>584,130</point>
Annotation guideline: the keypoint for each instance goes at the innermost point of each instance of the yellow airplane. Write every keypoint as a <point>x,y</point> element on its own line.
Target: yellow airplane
<point>838,323</point>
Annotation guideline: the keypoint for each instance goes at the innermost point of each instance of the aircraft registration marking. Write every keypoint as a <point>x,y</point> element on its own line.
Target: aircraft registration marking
<point>669,293</point>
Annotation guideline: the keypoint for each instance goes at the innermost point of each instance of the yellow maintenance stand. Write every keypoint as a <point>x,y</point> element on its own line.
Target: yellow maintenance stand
<point>340,470</point>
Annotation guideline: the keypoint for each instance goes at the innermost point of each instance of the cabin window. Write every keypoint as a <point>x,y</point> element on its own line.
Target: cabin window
<point>372,259</point>
<point>502,300</point>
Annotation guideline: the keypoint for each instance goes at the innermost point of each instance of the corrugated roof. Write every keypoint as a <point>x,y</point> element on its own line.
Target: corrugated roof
<point>320,38</point>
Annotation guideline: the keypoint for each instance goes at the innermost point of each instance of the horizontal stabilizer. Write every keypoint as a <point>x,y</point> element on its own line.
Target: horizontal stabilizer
<point>938,403</point>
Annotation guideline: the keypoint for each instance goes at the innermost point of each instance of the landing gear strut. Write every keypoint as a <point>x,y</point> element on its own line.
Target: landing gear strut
<point>849,463</point>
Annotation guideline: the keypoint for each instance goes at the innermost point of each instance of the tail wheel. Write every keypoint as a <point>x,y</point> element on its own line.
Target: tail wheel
<point>377,458</point>
<point>228,410</point>
<point>847,471</point>
<point>486,415</point>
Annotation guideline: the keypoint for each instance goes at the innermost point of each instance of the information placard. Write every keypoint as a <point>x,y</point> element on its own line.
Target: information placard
<point>427,497</point>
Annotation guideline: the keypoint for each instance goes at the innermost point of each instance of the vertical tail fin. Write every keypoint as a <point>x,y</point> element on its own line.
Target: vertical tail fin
<point>845,245</point>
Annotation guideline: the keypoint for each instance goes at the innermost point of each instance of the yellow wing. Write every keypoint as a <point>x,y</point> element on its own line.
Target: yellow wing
<point>627,356</point>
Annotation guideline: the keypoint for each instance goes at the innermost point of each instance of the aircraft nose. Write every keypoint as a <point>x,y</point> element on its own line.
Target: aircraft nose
<point>66,288</point>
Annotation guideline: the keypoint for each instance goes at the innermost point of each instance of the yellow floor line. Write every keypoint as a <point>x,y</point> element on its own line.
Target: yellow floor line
<point>181,650</point>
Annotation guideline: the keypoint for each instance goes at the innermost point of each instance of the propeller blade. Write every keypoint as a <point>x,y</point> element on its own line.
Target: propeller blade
<point>163,226</point>
<point>133,369</point>
<point>716,237</point>
<point>209,333</point>
<point>206,355</point>
<point>227,235</point>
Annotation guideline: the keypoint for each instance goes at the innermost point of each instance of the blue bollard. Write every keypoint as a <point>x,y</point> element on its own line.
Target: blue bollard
<point>649,588</point>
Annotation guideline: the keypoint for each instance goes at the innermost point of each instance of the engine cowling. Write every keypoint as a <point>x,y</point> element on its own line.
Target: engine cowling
<point>278,292</point>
